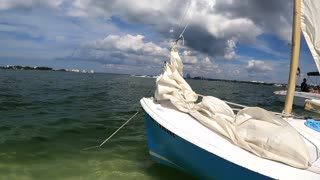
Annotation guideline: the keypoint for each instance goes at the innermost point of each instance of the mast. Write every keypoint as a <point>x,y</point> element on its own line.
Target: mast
<point>294,56</point>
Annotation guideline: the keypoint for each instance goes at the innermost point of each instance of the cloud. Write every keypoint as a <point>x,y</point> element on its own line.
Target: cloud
<point>122,52</point>
<point>43,33</point>
<point>212,23</point>
<point>258,67</point>
<point>230,52</point>
<point>208,31</point>
<point>190,59</point>
<point>207,63</point>
<point>267,15</point>
<point>220,20</point>
<point>124,33</point>
<point>11,4</point>
<point>282,50</point>
<point>127,49</point>
<point>128,43</point>
<point>186,53</point>
<point>201,67</point>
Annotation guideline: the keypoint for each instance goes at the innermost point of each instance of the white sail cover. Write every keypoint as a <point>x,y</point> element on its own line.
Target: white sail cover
<point>310,26</point>
<point>253,129</point>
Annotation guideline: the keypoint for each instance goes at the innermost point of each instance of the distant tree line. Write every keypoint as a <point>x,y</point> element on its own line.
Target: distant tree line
<point>27,67</point>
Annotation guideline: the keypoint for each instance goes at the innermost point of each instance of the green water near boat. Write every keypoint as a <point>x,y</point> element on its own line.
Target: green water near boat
<point>47,118</point>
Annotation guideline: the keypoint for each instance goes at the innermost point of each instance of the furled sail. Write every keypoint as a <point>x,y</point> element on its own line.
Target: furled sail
<point>254,129</point>
<point>310,26</point>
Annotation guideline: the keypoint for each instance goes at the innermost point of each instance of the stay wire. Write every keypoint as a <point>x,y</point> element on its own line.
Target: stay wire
<point>180,35</point>
<point>183,17</point>
<point>99,146</point>
<point>115,132</point>
<point>160,72</point>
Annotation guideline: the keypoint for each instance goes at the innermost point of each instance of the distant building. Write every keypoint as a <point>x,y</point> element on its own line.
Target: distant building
<point>75,70</point>
<point>188,76</point>
<point>17,67</point>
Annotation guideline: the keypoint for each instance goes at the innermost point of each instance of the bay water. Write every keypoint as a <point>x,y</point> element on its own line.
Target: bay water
<point>47,118</point>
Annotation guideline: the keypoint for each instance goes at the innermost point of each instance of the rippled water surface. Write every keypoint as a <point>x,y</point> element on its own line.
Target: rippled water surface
<point>47,118</point>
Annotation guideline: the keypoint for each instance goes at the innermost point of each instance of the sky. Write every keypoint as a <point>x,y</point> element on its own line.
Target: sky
<point>246,40</point>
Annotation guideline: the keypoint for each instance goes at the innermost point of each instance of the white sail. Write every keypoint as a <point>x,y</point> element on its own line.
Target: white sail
<point>253,128</point>
<point>213,124</point>
<point>310,26</point>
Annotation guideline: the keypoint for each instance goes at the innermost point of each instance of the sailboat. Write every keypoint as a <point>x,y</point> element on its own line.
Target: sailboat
<point>204,136</point>
<point>311,31</point>
<point>301,98</point>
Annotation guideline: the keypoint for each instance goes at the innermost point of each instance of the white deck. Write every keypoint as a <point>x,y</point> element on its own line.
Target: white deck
<point>192,131</point>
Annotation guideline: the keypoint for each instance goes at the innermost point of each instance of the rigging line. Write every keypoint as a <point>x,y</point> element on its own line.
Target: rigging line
<point>313,81</point>
<point>240,105</point>
<point>235,104</point>
<point>184,14</point>
<point>185,27</point>
<point>317,118</point>
<point>158,74</point>
<point>181,35</point>
<point>99,146</point>
<point>317,149</point>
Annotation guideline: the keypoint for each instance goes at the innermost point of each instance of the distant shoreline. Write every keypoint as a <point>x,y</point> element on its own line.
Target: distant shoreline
<point>188,77</point>
<point>44,68</point>
<point>237,81</point>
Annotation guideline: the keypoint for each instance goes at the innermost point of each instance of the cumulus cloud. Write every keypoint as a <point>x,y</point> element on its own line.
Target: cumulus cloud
<point>215,31</point>
<point>135,50</point>
<point>128,43</point>
<point>230,52</point>
<point>208,31</point>
<point>258,67</point>
<point>128,49</point>
<point>212,23</point>
<point>201,66</point>
<point>188,56</point>
<point>186,53</point>
<point>207,63</point>
<point>10,4</point>
<point>267,15</point>
<point>190,59</point>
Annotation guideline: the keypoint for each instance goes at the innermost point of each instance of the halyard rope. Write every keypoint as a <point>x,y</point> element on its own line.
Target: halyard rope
<point>179,37</point>
<point>99,146</point>
<point>235,104</point>
<point>106,140</point>
<point>184,29</point>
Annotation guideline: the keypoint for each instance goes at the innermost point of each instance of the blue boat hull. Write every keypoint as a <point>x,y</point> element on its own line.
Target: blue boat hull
<point>167,148</point>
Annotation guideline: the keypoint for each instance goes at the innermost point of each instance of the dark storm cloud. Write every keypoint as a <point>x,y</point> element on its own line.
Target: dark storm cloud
<point>210,27</point>
<point>201,40</point>
<point>270,16</point>
<point>273,16</point>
